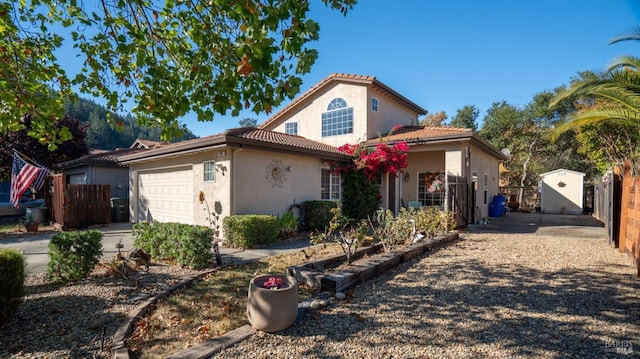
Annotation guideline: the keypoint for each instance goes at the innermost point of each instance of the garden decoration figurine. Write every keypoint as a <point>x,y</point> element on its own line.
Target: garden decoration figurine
<point>273,302</point>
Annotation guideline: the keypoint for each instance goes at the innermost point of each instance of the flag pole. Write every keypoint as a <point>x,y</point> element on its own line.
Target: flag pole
<point>28,158</point>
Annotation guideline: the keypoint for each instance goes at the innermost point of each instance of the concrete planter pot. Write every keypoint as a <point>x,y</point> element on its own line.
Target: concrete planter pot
<point>272,310</point>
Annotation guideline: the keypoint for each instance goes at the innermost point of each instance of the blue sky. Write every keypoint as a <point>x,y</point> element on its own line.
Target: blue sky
<point>444,55</point>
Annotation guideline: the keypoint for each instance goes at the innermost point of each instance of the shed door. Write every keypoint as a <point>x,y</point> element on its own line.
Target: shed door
<point>166,196</point>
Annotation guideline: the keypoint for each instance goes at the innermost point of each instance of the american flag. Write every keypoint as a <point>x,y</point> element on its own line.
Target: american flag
<point>39,181</point>
<point>22,175</point>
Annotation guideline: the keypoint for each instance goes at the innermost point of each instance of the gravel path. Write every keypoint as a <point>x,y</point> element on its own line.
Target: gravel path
<point>79,320</point>
<point>486,295</point>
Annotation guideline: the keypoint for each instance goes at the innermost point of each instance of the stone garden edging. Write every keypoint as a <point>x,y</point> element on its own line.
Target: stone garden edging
<point>359,271</point>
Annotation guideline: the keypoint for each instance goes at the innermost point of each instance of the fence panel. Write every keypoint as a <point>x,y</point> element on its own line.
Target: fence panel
<point>629,237</point>
<point>86,204</point>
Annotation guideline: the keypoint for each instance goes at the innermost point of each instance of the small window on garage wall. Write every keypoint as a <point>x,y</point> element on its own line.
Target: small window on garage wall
<point>210,171</point>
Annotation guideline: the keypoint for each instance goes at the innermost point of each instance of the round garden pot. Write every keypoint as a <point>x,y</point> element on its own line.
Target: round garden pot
<point>272,310</point>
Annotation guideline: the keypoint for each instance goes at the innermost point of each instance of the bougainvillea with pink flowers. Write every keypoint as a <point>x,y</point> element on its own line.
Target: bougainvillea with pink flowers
<point>381,159</point>
<point>360,193</point>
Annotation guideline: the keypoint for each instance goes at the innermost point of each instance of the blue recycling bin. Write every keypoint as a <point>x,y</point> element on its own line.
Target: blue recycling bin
<point>501,203</point>
<point>494,209</point>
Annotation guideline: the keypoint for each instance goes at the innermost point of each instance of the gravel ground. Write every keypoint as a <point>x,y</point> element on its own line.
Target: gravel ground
<point>486,295</point>
<point>79,320</point>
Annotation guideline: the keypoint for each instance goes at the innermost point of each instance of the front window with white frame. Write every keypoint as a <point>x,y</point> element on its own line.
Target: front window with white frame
<point>210,171</point>
<point>331,185</point>
<point>431,189</point>
<point>338,119</point>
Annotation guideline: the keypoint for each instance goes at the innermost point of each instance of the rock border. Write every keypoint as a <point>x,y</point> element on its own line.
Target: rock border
<point>312,274</point>
<point>359,271</point>
<point>119,348</point>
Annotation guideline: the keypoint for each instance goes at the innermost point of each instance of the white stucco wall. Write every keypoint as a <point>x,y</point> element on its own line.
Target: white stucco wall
<point>562,192</point>
<point>309,114</point>
<point>217,194</point>
<point>424,161</point>
<point>484,164</point>
<point>389,114</point>
<point>257,191</point>
<point>367,124</point>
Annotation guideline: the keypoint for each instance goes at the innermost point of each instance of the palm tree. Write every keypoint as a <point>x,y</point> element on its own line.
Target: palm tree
<point>612,96</point>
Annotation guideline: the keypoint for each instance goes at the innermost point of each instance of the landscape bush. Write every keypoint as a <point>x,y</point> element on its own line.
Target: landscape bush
<point>248,230</point>
<point>12,276</point>
<point>73,255</point>
<point>185,244</point>
<point>317,214</point>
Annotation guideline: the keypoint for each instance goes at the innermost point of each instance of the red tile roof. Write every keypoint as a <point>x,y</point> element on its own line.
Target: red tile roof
<point>348,78</point>
<point>413,134</point>
<point>248,137</point>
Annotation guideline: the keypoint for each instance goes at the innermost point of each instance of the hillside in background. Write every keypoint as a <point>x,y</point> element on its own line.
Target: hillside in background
<point>102,135</point>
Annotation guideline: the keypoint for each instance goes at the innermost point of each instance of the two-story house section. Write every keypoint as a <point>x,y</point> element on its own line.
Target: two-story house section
<point>345,108</point>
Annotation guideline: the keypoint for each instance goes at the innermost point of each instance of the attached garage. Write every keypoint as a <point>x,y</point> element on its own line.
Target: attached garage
<point>166,196</point>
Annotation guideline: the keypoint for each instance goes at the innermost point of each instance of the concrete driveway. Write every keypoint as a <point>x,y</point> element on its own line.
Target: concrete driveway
<point>561,225</point>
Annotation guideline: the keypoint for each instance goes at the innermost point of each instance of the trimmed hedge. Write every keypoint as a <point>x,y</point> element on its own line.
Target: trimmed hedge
<point>73,255</point>
<point>12,276</point>
<point>183,243</point>
<point>317,214</point>
<point>248,230</point>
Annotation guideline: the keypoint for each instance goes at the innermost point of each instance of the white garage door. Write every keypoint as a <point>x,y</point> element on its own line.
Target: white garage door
<point>166,196</point>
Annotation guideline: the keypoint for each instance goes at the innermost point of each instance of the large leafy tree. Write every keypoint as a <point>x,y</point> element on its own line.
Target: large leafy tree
<point>169,58</point>
<point>466,117</point>
<point>36,151</point>
<point>526,133</point>
<point>434,119</point>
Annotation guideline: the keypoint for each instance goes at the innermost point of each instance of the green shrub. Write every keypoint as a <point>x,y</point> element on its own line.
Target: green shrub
<point>360,197</point>
<point>12,275</point>
<point>288,222</point>
<point>248,230</point>
<point>433,221</point>
<point>317,214</point>
<point>341,230</point>
<point>183,243</point>
<point>393,231</point>
<point>73,255</point>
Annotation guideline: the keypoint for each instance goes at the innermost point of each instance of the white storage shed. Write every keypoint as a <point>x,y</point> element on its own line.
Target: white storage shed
<point>561,191</point>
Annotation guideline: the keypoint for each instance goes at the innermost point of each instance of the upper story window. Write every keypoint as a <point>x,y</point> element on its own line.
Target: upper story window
<point>338,119</point>
<point>210,171</point>
<point>374,104</point>
<point>291,128</point>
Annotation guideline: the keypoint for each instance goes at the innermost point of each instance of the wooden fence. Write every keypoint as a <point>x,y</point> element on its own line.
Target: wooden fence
<point>78,205</point>
<point>629,238</point>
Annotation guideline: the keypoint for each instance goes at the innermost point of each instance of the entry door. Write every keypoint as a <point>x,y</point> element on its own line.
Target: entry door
<point>391,180</point>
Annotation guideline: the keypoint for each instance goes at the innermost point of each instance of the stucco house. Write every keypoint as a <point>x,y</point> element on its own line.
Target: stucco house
<point>240,171</point>
<point>345,108</point>
<point>562,191</point>
<point>267,169</point>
